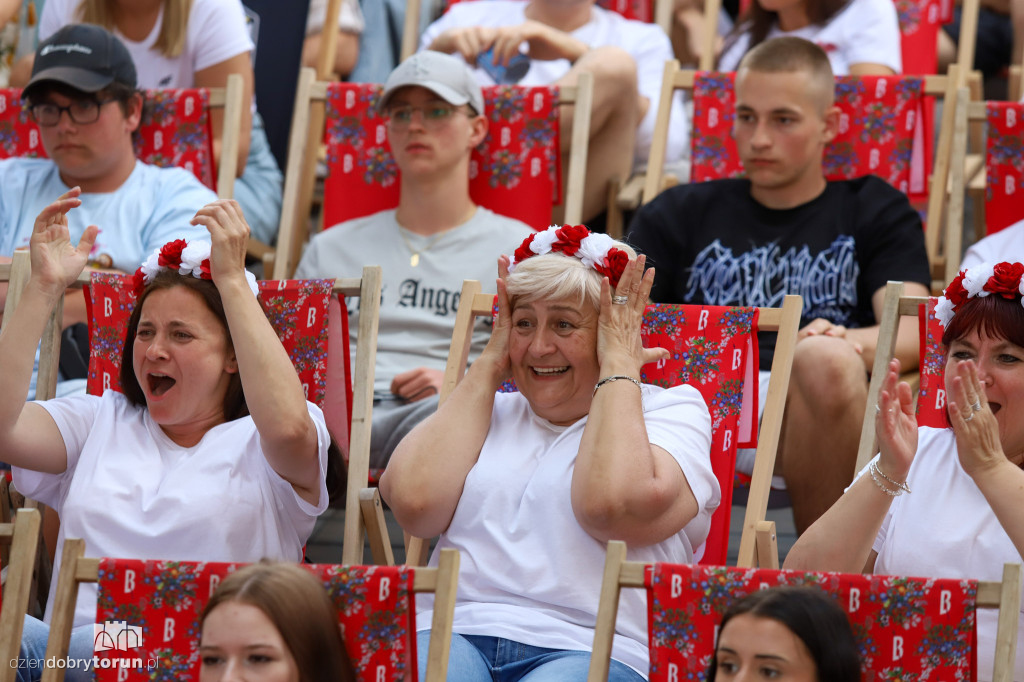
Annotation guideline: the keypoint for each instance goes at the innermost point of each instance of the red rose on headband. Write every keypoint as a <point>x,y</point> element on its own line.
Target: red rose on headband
<point>569,238</point>
<point>1005,280</point>
<point>205,270</point>
<point>138,282</point>
<point>524,252</point>
<point>614,265</point>
<point>955,292</point>
<point>170,254</point>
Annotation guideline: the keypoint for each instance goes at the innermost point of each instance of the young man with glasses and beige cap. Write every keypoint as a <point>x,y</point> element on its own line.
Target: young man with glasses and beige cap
<point>83,96</point>
<point>435,239</point>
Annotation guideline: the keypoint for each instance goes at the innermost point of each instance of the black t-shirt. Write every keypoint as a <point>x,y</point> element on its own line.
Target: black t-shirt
<point>713,244</point>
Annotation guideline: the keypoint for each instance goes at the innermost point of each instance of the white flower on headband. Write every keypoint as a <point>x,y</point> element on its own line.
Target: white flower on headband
<point>944,311</point>
<point>594,249</point>
<point>976,278</point>
<point>541,244</point>
<point>192,257</point>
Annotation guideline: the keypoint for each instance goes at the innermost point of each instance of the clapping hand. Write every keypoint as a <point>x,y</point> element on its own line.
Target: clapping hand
<point>896,425</point>
<point>974,424</point>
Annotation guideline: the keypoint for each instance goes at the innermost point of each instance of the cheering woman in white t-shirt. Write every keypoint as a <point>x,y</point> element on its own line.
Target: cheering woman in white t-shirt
<point>530,486</point>
<point>211,453</point>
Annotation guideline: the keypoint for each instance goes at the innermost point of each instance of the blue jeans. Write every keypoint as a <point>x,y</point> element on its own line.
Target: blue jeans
<point>33,651</point>
<point>475,658</point>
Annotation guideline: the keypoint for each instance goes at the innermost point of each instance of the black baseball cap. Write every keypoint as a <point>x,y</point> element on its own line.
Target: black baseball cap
<point>83,56</point>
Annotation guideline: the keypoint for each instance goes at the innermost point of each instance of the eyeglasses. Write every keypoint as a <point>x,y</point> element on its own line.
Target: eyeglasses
<point>432,116</point>
<point>80,111</point>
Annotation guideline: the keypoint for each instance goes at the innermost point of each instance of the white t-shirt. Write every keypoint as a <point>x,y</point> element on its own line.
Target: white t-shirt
<point>216,32</point>
<point>1006,245</point>
<point>151,208</point>
<point>418,304</point>
<point>528,571</point>
<point>350,18</point>
<point>646,43</point>
<point>865,31</point>
<point>946,529</point>
<point>131,492</point>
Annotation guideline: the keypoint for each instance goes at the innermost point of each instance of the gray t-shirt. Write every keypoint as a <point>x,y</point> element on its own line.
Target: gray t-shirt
<point>418,304</point>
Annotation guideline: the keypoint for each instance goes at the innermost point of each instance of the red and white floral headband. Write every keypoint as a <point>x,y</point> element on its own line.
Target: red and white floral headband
<point>596,250</point>
<point>1002,279</point>
<point>188,258</point>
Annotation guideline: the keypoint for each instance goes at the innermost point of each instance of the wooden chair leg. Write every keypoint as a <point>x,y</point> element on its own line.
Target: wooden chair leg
<point>767,544</point>
<point>376,527</point>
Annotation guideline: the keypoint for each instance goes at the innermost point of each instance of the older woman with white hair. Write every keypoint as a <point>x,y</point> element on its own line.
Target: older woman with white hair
<point>530,486</point>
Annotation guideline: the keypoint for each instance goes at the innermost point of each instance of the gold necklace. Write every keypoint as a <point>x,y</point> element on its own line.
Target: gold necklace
<point>414,259</point>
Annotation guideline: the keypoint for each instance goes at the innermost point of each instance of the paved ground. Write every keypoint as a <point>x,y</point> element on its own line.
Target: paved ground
<point>325,544</point>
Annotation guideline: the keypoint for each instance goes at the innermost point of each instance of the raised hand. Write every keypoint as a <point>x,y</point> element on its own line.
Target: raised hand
<point>619,348</point>
<point>974,424</point>
<point>496,352</point>
<point>229,237</point>
<point>56,263</point>
<point>896,425</point>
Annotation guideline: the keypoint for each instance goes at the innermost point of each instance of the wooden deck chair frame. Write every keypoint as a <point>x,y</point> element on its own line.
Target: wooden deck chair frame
<point>305,142</point>
<point>945,87</point>
<point>21,536</point>
<point>895,306</point>
<point>76,569</point>
<point>757,543</point>
<point>618,573</point>
<point>414,9</point>
<point>368,288</point>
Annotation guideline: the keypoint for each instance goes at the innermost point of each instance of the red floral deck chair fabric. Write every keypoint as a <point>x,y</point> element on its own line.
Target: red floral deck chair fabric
<point>877,128</point>
<point>1004,165</point>
<point>516,170</point>
<point>148,615</point>
<point>713,349</point>
<point>303,312</point>
<point>931,398</point>
<point>175,131</point>
<point>907,628</point>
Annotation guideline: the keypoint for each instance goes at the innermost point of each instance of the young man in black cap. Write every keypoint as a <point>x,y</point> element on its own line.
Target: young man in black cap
<point>84,98</point>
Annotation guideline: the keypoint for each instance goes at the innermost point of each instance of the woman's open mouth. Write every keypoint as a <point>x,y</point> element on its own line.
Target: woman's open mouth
<point>159,384</point>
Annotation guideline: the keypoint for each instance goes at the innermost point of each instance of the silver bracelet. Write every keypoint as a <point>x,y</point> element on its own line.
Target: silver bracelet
<point>877,476</point>
<point>616,377</point>
<point>902,486</point>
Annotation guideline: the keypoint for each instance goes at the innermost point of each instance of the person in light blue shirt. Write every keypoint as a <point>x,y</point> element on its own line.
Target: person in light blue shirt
<point>84,97</point>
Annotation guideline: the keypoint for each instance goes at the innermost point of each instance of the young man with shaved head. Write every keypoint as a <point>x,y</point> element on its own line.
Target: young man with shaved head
<point>784,229</point>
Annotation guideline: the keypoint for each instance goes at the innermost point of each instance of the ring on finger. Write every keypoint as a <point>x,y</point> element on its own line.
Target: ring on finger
<point>976,406</point>
<point>969,417</point>
<point>620,300</point>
